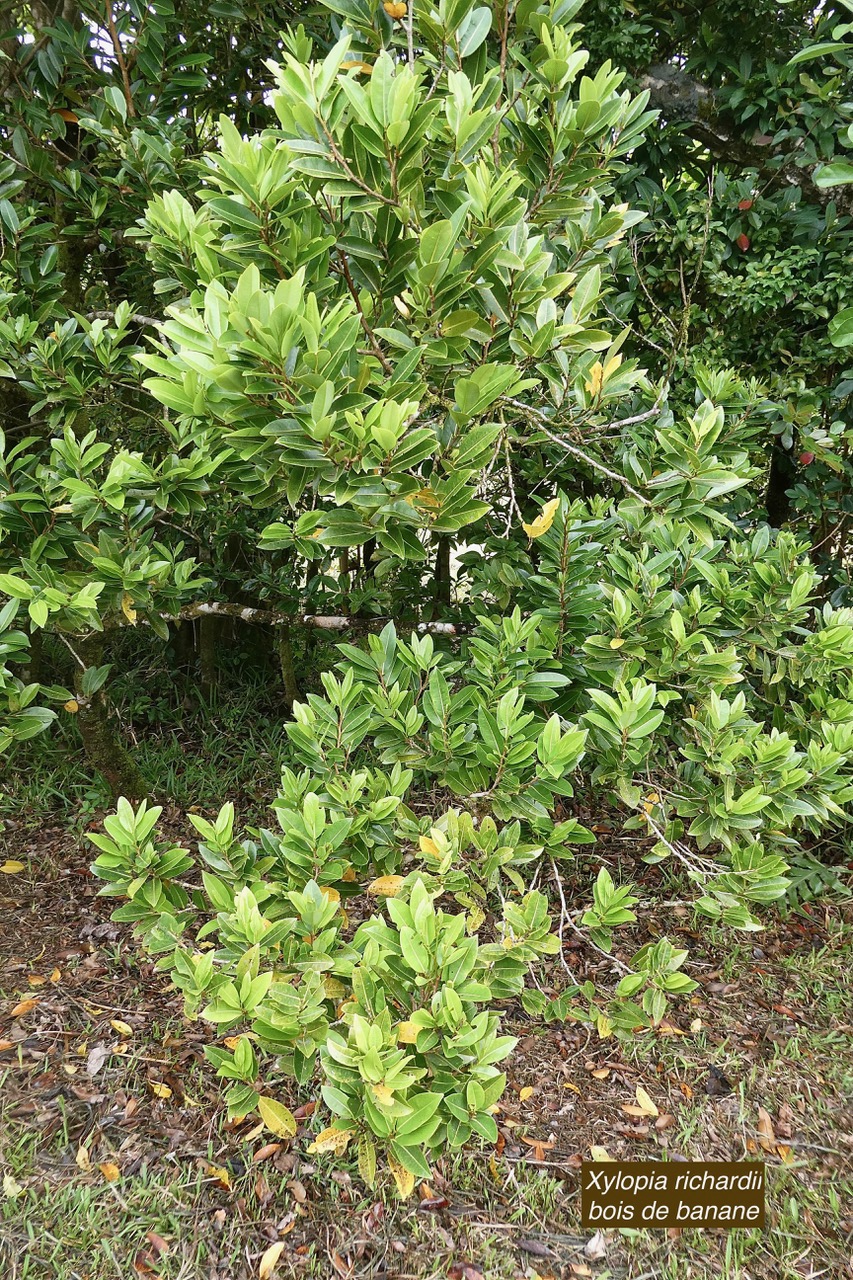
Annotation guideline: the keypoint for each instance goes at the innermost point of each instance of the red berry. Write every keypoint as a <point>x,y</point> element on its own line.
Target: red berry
<point>806,458</point>
<point>745,204</point>
<point>742,242</point>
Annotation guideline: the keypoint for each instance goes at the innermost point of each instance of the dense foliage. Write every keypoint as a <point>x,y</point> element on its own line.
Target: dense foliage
<point>454,324</point>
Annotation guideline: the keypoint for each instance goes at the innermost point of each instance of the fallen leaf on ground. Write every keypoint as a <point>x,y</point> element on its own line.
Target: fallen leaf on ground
<point>596,1247</point>
<point>644,1106</point>
<point>11,1188</point>
<point>717,1086</point>
<point>525,1093</point>
<point>111,1171</point>
<point>536,1248</point>
<point>82,1159</point>
<point>539,1147</point>
<point>221,1174</point>
<point>264,1152</point>
<point>156,1241</point>
<point>96,1059</point>
<point>25,1006</point>
<point>121,1027</point>
<point>600,1154</point>
<point>159,1090</point>
<point>766,1135</point>
<point>269,1260</point>
<point>12,868</point>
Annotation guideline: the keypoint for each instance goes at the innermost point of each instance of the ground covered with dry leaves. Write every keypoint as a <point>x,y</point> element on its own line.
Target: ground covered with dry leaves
<point>117,1162</point>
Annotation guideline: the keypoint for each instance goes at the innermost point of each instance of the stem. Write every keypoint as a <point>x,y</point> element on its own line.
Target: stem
<point>97,721</point>
<point>288,671</point>
<point>119,52</point>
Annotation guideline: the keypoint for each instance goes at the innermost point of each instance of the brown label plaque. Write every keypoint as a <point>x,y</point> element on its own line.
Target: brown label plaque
<point>654,1193</point>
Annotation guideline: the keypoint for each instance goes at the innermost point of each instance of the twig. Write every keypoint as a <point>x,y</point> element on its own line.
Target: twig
<point>579,453</point>
<point>368,332</point>
<point>73,652</point>
<point>513,504</point>
<point>119,52</point>
<point>564,916</point>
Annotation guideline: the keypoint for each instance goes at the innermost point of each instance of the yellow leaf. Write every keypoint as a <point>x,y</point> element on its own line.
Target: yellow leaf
<point>160,1090</point>
<point>231,1042</point>
<point>596,379</point>
<point>367,1161</point>
<point>428,845</point>
<point>13,868</point>
<point>395,9</point>
<point>11,1188</point>
<point>696,1025</point>
<point>404,1179</point>
<point>82,1159</point>
<point>785,1153</point>
<point>111,1171</point>
<point>35,980</point>
<point>525,1093</point>
<point>55,976</point>
<point>426,498</point>
<point>127,607</point>
<point>221,1174</point>
<point>407,1033</point>
<point>543,521</point>
<point>269,1260</point>
<point>383,1095</point>
<point>122,1028</point>
<point>567,1084</point>
<point>386,886</point>
<point>71,705</point>
<point>648,1107</point>
<point>334,1140</point>
<point>604,1027</point>
<point>611,366</point>
<point>599,1154</point>
<point>617,642</point>
<point>330,894</point>
<point>277,1118</point>
<point>364,67</point>
<point>333,987</point>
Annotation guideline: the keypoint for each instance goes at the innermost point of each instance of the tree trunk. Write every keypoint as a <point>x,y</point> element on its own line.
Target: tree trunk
<point>441,575</point>
<point>97,720</point>
<point>208,634</point>
<point>288,671</point>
